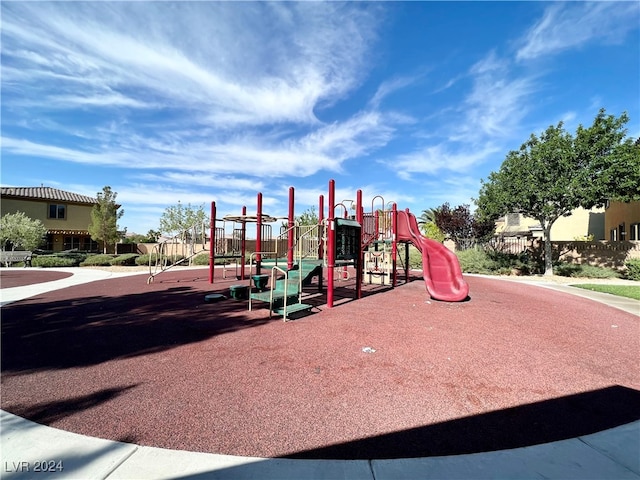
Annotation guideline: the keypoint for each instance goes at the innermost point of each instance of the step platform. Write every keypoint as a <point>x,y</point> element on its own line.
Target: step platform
<point>239,292</point>
<point>293,308</point>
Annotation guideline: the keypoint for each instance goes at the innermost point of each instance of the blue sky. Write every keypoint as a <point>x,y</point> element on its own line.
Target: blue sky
<point>202,101</point>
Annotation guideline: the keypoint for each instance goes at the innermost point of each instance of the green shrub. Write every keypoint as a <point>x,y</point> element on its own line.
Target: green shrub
<point>170,259</point>
<point>101,260</point>
<point>201,259</point>
<point>415,257</point>
<point>567,269</point>
<point>590,271</point>
<point>77,257</point>
<point>142,259</point>
<point>63,259</point>
<point>504,263</point>
<point>632,271</point>
<point>125,259</point>
<point>583,271</point>
<point>51,261</point>
<point>475,260</point>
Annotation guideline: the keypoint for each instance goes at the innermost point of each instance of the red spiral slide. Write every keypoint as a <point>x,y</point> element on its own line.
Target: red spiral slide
<point>440,266</point>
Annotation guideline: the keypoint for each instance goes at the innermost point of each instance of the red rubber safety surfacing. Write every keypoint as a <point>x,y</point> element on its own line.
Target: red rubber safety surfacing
<point>155,365</point>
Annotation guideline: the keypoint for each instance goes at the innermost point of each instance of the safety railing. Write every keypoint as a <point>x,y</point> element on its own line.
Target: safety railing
<point>273,284</point>
<point>177,250</point>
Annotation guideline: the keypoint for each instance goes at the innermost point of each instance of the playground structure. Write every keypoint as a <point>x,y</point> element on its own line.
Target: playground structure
<point>367,242</point>
<point>229,244</point>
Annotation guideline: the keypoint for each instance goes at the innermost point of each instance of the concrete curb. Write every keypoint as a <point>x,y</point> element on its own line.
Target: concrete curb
<point>28,448</point>
<point>626,304</point>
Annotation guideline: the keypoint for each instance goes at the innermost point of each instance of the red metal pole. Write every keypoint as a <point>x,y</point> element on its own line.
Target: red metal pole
<point>360,260</point>
<point>243,248</point>
<point>259,234</point>
<point>394,243</point>
<point>320,219</point>
<point>212,237</point>
<point>320,235</point>
<point>290,233</point>
<point>343,275</point>
<point>331,241</point>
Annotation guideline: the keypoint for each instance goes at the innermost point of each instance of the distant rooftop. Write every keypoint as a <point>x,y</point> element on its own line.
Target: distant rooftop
<point>46,193</point>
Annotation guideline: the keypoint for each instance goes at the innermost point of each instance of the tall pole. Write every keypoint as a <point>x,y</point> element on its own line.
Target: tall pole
<point>331,242</point>
<point>259,233</point>
<point>212,237</point>
<point>290,229</point>
<point>320,237</point>
<point>360,258</point>
<point>320,232</point>
<point>243,247</point>
<point>394,243</point>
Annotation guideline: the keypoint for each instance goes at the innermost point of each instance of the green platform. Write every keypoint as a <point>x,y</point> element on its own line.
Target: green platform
<point>239,292</point>
<point>307,269</point>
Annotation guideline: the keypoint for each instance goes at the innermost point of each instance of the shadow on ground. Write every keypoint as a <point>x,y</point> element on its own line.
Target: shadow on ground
<point>64,330</point>
<point>526,425</point>
<point>531,424</point>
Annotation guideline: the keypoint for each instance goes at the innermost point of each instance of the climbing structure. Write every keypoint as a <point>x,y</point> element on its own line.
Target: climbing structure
<point>366,242</point>
<point>375,259</point>
<point>292,266</point>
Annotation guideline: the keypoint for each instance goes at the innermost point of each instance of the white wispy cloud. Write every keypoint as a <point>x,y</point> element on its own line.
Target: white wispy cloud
<point>573,24</point>
<point>193,56</point>
<point>241,84</point>
<point>497,101</point>
<point>438,158</point>
<point>204,180</point>
<point>477,127</point>
<point>388,87</point>
<point>324,148</point>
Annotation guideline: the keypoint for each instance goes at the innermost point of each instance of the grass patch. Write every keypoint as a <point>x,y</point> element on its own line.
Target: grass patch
<point>628,291</point>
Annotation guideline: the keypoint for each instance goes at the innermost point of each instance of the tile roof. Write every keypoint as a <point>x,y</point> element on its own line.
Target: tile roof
<point>45,193</point>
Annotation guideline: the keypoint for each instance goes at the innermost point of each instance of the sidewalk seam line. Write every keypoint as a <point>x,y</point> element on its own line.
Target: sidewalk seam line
<point>121,462</point>
<point>370,463</point>
<point>605,454</point>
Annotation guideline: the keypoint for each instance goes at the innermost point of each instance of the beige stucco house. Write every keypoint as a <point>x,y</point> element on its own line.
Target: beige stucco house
<point>622,221</point>
<point>65,215</point>
<point>580,224</point>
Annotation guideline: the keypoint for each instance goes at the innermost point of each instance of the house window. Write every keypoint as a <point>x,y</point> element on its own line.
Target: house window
<point>634,231</point>
<point>513,219</point>
<point>71,243</point>
<point>622,233</point>
<point>57,211</point>
<point>613,235</point>
<point>89,245</point>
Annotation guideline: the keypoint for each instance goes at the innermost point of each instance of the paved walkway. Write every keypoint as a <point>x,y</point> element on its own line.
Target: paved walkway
<point>29,449</point>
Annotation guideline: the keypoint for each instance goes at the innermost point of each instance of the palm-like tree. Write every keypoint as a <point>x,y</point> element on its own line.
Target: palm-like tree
<point>427,216</point>
<point>427,223</point>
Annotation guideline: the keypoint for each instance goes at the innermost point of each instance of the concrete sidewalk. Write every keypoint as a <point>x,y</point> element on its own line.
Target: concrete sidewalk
<point>27,448</point>
<point>79,276</point>
<point>626,304</point>
<point>30,450</point>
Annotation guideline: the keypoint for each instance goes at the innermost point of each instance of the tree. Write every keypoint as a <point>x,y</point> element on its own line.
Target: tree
<point>308,217</point>
<point>21,232</point>
<point>427,223</point>
<point>104,218</point>
<point>463,227</point>
<point>555,173</point>
<point>178,220</point>
<point>151,237</point>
